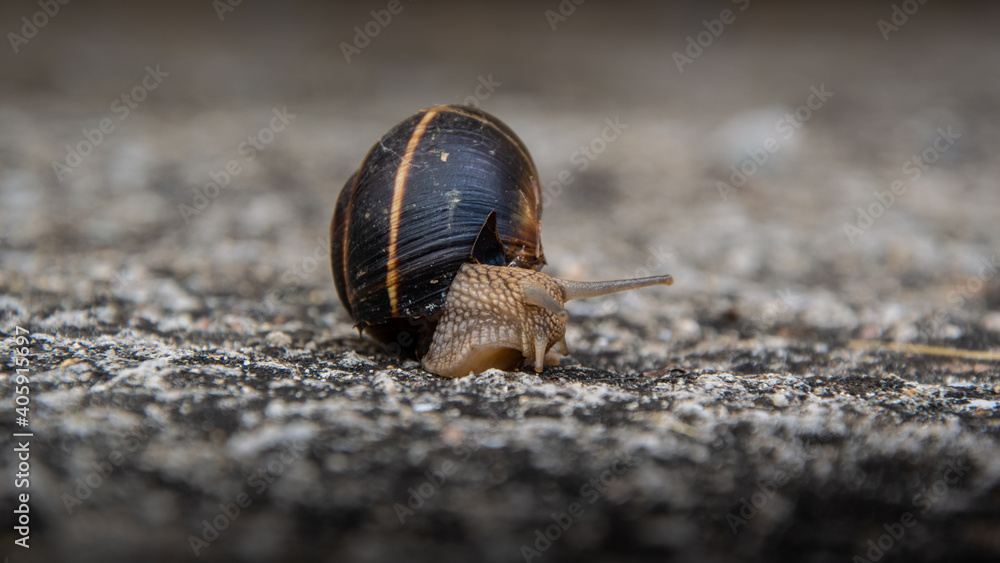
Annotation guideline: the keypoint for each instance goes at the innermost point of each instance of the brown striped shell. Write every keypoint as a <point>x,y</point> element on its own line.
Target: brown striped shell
<point>435,241</point>
<point>407,220</point>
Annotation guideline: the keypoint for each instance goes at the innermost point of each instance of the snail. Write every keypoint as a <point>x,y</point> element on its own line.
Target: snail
<point>435,244</point>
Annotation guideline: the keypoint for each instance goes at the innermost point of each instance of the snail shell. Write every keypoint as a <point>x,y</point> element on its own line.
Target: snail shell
<point>435,243</point>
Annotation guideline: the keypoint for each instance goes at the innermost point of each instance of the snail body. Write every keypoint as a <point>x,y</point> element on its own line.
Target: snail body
<point>436,243</point>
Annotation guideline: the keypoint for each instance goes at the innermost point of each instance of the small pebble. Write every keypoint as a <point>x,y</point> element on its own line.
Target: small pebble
<point>278,339</point>
<point>949,332</point>
<point>991,321</point>
<point>686,329</point>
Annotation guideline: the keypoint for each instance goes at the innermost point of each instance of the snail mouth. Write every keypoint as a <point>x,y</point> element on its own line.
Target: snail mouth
<point>477,360</point>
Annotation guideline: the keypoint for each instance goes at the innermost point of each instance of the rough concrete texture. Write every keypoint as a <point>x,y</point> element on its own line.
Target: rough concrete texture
<point>801,392</point>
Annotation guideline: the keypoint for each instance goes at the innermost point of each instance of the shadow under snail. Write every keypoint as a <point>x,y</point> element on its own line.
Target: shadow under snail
<point>436,243</point>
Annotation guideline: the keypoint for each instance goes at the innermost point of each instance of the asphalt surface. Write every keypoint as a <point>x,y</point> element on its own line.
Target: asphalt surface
<point>821,383</point>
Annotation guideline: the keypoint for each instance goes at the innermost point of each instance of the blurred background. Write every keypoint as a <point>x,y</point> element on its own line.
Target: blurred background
<point>697,97</point>
<point>811,174</point>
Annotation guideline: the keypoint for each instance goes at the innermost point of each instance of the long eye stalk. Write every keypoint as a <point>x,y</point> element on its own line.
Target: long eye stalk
<point>583,290</point>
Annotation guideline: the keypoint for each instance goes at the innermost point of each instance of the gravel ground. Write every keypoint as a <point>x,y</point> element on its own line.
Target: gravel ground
<point>821,383</point>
